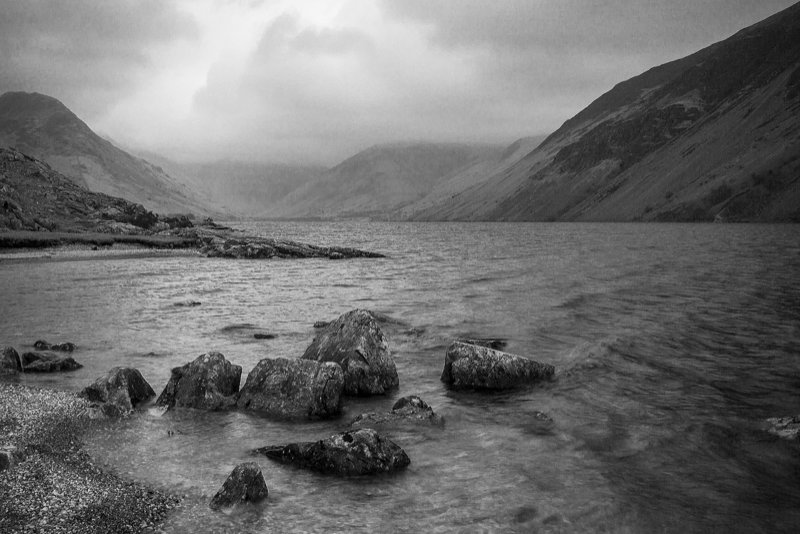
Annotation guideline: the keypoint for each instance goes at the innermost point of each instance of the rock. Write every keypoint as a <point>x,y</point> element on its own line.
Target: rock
<point>264,336</point>
<point>475,366</point>
<point>60,347</point>
<point>47,362</point>
<point>359,452</point>
<point>9,457</point>
<point>492,343</point>
<point>187,304</point>
<point>411,409</point>
<point>322,324</point>
<point>119,391</point>
<point>785,427</point>
<point>10,364</point>
<point>355,342</point>
<point>210,382</point>
<point>293,388</point>
<point>539,424</point>
<point>244,484</point>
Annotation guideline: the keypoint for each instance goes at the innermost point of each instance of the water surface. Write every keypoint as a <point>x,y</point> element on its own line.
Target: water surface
<point>671,342</point>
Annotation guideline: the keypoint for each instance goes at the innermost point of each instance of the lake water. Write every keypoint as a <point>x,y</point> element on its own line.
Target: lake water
<point>671,343</point>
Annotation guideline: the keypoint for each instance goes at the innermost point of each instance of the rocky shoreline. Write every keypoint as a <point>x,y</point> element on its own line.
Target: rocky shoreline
<point>53,485</point>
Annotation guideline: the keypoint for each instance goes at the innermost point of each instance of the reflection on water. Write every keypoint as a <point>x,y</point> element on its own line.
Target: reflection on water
<point>671,343</point>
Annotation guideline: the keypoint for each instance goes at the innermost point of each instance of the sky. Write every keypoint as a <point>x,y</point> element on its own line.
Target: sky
<point>315,81</point>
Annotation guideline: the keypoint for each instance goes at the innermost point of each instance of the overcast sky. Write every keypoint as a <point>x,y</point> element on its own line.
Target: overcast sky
<point>318,80</point>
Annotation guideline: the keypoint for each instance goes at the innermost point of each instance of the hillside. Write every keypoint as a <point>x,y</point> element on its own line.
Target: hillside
<point>44,128</point>
<point>35,197</point>
<point>381,179</point>
<point>712,136</point>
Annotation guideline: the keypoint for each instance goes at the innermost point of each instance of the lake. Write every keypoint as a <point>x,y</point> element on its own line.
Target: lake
<point>672,343</point>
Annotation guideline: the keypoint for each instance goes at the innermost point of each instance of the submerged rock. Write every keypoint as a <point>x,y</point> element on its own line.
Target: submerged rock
<point>244,484</point>
<point>359,452</point>
<point>119,391</point>
<point>411,409</point>
<point>210,382</point>
<point>293,388</point>
<point>356,343</point>
<point>538,424</point>
<point>59,347</point>
<point>785,427</point>
<point>187,303</point>
<point>10,364</point>
<point>475,366</point>
<point>47,362</point>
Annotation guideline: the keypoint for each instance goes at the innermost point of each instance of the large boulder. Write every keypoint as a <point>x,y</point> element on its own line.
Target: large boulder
<point>411,409</point>
<point>210,382</point>
<point>10,364</point>
<point>356,343</point>
<point>119,391</point>
<point>359,452</point>
<point>293,388</point>
<point>474,366</point>
<point>244,484</point>
<point>47,362</point>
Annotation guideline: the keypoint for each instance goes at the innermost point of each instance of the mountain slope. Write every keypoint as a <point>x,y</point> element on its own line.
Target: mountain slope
<point>43,127</point>
<point>381,179</point>
<point>35,197</point>
<point>715,135</point>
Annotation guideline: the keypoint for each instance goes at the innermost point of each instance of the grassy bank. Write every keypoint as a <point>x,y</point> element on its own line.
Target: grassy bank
<point>29,239</point>
<point>55,487</point>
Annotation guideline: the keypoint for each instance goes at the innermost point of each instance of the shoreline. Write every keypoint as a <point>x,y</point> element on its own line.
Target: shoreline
<point>54,485</point>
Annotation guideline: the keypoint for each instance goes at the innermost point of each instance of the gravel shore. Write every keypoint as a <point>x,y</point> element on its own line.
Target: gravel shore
<point>55,487</point>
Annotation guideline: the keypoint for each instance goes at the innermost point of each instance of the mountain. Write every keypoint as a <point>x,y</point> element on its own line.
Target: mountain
<point>44,128</point>
<point>712,136</point>
<point>381,180</point>
<point>240,189</point>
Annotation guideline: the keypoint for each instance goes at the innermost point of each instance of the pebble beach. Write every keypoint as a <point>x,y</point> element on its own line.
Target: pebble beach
<point>52,484</point>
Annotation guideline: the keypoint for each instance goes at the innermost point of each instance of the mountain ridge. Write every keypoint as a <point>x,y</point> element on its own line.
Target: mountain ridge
<point>674,119</point>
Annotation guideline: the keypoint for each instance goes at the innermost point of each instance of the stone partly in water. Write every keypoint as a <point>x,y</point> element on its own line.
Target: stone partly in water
<point>210,382</point>
<point>359,452</point>
<point>785,427</point>
<point>293,388</point>
<point>355,342</point>
<point>244,484</point>
<point>10,363</point>
<point>475,366</point>
<point>47,362</point>
<point>119,391</point>
<point>60,347</point>
<point>411,409</point>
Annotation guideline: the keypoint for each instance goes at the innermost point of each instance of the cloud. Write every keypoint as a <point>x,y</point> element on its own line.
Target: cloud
<point>84,52</point>
<point>318,80</point>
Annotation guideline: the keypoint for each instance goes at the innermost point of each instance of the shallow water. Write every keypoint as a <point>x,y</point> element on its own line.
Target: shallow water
<point>672,343</point>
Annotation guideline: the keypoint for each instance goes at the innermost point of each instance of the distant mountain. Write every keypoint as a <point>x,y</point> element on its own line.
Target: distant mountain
<point>241,189</point>
<point>44,128</point>
<point>713,136</point>
<point>382,179</point>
